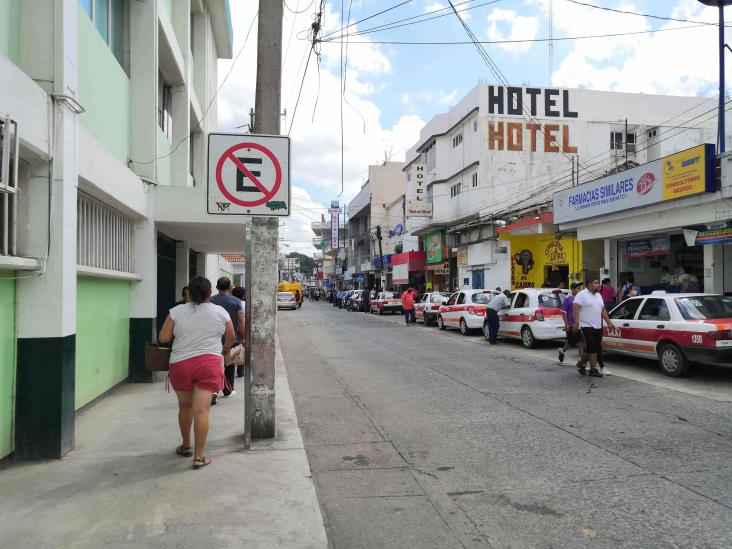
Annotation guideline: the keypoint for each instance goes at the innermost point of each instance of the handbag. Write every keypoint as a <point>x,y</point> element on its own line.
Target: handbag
<point>236,356</point>
<point>157,358</point>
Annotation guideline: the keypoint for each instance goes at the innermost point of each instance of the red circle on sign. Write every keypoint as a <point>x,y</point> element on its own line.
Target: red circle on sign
<point>229,155</point>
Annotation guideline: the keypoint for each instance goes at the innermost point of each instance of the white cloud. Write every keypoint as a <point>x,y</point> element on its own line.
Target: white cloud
<point>521,28</point>
<point>434,6</point>
<point>316,139</point>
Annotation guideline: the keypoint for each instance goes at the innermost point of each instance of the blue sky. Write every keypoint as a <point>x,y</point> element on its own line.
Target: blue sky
<point>396,89</point>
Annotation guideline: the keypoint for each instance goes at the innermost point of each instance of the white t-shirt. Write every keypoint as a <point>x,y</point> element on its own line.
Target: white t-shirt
<point>198,330</point>
<point>590,309</point>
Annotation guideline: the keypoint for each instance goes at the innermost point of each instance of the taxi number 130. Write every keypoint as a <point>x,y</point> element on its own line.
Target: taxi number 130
<point>696,338</point>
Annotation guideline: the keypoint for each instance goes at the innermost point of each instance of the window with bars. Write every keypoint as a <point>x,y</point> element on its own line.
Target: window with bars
<point>103,236</point>
<point>9,143</point>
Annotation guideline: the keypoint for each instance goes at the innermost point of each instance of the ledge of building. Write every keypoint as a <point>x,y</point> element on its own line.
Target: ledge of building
<point>13,263</point>
<point>93,272</point>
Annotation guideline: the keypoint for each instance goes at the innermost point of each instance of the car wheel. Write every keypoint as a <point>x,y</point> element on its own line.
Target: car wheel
<point>440,322</point>
<point>380,311</point>
<point>486,332</point>
<point>672,360</point>
<point>527,337</point>
<point>464,327</point>
<point>427,320</point>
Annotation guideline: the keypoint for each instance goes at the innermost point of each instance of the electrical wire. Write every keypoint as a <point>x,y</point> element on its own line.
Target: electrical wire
<point>515,41</point>
<point>211,102</point>
<point>284,3</point>
<point>400,4</point>
<point>647,15</point>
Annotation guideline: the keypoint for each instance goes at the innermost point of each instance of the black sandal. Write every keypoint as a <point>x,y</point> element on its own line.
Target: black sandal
<point>183,451</point>
<point>201,462</point>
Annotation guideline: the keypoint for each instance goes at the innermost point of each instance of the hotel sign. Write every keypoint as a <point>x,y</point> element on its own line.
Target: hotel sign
<point>683,174</point>
<point>417,205</point>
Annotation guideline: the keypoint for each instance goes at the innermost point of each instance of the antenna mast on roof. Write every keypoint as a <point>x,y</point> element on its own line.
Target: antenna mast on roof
<point>551,40</point>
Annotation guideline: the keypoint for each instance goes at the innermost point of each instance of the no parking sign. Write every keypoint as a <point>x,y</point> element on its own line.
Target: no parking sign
<point>248,174</point>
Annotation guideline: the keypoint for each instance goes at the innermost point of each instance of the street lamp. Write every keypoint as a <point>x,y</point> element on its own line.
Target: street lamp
<point>720,117</point>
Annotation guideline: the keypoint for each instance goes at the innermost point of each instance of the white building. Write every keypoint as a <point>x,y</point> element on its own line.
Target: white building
<point>110,103</point>
<point>496,158</point>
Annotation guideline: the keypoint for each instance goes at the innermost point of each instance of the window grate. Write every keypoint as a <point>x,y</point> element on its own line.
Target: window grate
<point>9,148</point>
<point>103,236</point>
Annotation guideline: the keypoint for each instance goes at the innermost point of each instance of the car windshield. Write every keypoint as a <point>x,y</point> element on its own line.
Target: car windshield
<point>482,298</point>
<point>554,299</point>
<point>284,294</point>
<point>389,295</point>
<point>705,307</point>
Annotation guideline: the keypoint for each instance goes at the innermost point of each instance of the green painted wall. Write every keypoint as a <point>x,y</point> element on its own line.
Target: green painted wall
<point>164,148</point>
<point>7,362</point>
<point>10,29</point>
<point>104,91</point>
<point>102,336</point>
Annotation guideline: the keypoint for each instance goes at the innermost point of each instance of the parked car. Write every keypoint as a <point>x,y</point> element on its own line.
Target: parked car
<point>678,330</point>
<point>285,300</point>
<point>535,314</point>
<point>465,309</point>
<point>386,302</point>
<point>427,307</point>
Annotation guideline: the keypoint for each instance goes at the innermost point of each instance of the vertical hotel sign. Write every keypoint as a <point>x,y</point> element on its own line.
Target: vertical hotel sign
<point>417,205</point>
<point>334,222</point>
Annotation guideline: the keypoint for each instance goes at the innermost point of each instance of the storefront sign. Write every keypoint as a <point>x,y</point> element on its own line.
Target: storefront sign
<point>334,222</point>
<point>680,175</point>
<point>648,247</point>
<point>533,258</point>
<point>710,235</point>
<point>417,205</point>
<point>462,258</point>
<point>441,272</point>
<point>433,247</point>
<point>554,253</point>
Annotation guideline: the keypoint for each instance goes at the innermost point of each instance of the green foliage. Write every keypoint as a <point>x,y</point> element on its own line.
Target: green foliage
<point>307,264</point>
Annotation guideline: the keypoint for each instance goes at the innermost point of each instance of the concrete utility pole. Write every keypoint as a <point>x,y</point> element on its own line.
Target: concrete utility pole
<point>262,245</point>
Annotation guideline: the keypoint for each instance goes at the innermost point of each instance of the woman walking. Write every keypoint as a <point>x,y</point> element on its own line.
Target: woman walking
<point>197,362</point>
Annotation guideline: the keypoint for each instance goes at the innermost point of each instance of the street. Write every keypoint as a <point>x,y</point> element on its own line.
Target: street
<point>423,438</point>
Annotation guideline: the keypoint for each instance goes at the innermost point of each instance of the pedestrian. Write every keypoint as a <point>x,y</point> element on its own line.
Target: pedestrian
<point>574,338</point>
<point>185,295</point>
<point>240,293</point>
<point>608,294</point>
<point>408,307</point>
<point>196,367</point>
<point>562,285</point>
<point>298,298</point>
<point>366,299</point>
<point>234,307</point>
<point>499,302</point>
<point>622,293</point>
<point>589,312</point>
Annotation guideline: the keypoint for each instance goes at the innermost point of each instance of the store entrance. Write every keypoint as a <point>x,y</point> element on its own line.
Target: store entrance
<point>555,275</point>
<point>661,263</point>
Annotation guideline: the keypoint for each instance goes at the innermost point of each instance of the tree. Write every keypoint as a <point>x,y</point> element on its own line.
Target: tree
<point>307,264</point>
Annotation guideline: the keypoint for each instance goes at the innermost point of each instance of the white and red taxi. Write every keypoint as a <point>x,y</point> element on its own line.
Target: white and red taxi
<point>386,302</point>
<point>675,329</point>
<point>465,310</point>
<point>535,314</point>
<point>427,307</point>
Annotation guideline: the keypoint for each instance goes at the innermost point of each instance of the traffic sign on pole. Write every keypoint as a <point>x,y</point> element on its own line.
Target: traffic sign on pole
<point>248,174</point>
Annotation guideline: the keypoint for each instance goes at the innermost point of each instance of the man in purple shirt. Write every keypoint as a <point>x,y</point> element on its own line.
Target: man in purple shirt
<point>574,338</point>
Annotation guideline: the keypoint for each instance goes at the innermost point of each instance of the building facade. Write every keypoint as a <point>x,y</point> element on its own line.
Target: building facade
<point>494,161</point>
<point>107,106</point>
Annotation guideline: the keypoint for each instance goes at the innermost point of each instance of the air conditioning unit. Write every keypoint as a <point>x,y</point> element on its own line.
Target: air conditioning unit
<point>9,144</point>
<point>630,147</point>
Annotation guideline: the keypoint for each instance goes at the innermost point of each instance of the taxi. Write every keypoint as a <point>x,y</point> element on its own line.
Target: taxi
<point>427,306</point>
<point>386,302</point>
<point>535,314</point>
<point>678,330</point>
<point>465,309</point>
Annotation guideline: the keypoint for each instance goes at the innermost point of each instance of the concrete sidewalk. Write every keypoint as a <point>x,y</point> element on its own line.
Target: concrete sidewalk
<point>123,485</point>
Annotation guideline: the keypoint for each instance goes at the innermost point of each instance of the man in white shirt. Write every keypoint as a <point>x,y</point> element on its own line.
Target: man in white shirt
<point>589,312</point>
<point>500,301</point>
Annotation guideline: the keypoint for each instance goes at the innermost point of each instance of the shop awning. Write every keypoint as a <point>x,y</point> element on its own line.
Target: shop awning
<point>413,260</point>
<point>529,225</point>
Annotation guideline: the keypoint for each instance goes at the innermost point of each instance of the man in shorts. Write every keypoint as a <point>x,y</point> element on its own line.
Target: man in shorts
<point>574,338</point>
<point>589,312</point>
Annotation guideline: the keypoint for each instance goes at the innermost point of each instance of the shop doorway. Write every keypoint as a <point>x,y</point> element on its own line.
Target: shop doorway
<point>478,279</point>
<point>557,274</point>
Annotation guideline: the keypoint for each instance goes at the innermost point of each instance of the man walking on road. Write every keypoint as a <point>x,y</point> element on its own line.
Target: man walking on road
<point>408,307</point>
<point>500,301</point>
<point>589,312</point>
<point>574,338</point>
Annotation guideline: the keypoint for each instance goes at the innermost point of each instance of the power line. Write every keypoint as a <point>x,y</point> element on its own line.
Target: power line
<point>647,15</point>
<point>210,104</point>
<point>369,17</point>
<point>515,41</point>
<point>284,3</point>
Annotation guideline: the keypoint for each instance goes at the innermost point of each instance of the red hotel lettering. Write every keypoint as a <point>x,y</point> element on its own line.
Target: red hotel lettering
<point>509,136</point>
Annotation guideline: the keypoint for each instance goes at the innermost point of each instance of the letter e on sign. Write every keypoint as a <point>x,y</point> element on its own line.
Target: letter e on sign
<point>248,174</point>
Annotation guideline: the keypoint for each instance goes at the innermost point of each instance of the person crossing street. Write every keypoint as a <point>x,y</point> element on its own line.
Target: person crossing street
<point>589,313</point>
<point>408,307</point>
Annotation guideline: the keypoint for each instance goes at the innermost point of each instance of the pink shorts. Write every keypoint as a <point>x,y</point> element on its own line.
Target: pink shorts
<point>204,372</point>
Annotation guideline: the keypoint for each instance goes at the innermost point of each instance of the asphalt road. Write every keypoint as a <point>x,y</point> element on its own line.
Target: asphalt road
<point>419,438</point>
